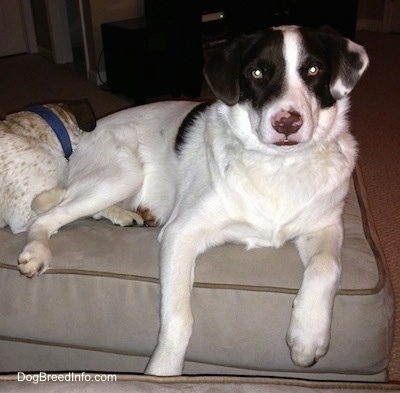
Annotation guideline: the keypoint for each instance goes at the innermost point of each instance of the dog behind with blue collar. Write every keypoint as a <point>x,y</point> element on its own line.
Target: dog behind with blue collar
<point>79,109</point>
<point>35,145</point>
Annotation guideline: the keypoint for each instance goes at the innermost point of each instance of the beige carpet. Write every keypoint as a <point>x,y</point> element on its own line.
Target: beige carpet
<point>375,119</point>
<point>31,79</point>
<point>375,116</point>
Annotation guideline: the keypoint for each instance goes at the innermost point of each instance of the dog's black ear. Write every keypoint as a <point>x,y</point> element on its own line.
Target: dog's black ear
<point>222,72</point>
<point>349,60</point>
<point>84,114</point>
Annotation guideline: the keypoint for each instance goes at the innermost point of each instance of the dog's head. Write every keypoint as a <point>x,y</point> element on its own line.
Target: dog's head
<point>77,116</point>
<point>80,111</point>
<point>291,80</point>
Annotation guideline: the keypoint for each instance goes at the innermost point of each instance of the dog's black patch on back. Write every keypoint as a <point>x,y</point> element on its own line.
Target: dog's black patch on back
<point>187,122</point>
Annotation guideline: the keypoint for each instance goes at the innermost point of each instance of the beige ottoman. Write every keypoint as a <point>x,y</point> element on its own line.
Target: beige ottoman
<point>96,308</point>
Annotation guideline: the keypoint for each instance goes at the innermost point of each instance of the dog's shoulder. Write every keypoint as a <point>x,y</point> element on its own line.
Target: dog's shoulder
<point>188,122</point>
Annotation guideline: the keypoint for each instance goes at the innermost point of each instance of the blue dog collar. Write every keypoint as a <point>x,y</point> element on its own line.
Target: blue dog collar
<point>56,124</point>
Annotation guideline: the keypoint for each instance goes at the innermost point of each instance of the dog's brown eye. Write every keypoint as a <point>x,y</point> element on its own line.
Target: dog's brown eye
<point>313,71</point>
<point>257,74</point>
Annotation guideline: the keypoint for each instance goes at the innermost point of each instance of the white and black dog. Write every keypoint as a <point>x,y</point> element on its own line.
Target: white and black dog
<point>268,162</point>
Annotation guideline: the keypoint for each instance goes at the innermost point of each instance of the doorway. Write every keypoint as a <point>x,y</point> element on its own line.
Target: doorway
<point>17,34</point>
<point>59,31</point>
<point>76,34</point>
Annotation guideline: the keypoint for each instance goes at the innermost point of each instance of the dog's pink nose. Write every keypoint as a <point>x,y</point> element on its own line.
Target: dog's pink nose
<point>287,122</point>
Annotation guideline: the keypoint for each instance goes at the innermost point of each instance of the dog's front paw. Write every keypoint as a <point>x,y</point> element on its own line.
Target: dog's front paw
<point>308,340</point>
<point>34,259</point>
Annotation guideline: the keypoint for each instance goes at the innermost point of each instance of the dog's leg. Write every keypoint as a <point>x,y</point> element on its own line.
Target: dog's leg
<point>36,256</point>
<point>82,199</point>
<point>47,199</point>
<point>177,260</point>
<point>310,326</point>
<point>179,247</point>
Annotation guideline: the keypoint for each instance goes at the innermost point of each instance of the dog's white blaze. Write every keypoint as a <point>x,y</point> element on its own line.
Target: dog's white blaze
<point>291,53</point>
<point>296,96</point>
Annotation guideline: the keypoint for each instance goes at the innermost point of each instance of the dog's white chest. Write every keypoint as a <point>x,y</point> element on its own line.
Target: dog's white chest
<point>270,206</point>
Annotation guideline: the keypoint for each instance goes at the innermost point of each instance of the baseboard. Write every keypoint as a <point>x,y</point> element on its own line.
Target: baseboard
<point>370,24</point>
<point>45,52</point>
<point>98,78</point>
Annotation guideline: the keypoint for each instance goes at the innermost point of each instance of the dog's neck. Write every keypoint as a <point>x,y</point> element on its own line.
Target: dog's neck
<point>56,125</point>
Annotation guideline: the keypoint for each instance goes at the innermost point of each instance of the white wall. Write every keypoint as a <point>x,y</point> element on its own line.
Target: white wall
<point>103,11</point>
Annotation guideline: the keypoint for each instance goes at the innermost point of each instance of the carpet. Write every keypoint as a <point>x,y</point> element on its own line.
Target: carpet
<point>375,124</point>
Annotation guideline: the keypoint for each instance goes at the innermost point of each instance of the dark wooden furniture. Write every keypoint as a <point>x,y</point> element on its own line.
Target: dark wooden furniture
<point>163,53</point>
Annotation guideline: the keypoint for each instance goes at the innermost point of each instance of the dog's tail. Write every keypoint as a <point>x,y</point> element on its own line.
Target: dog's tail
<point>46,200</point>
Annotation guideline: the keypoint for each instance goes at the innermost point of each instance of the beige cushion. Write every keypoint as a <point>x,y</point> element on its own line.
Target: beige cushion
<point>100,300</point>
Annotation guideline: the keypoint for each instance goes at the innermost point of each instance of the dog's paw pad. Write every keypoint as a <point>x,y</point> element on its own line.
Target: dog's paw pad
<point>149,220</point>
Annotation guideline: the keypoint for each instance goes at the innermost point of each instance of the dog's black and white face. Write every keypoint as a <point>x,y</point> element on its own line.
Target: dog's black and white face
<point>290,81</point>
